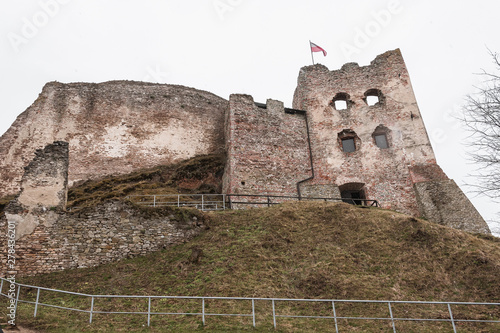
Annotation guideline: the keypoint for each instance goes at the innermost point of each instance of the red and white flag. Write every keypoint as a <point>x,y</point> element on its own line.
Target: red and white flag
<point>316,48</point>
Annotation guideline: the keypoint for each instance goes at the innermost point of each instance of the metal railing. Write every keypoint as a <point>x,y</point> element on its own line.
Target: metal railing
<point>333,304</point>
<point>199,201</point>
<point>268,200</point>
<point>223,201</point>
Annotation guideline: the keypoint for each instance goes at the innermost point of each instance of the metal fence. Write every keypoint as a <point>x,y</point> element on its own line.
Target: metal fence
<point>268,200</point>
<point>333,305</point>
<point>199,201</point>
<point>231,201</point>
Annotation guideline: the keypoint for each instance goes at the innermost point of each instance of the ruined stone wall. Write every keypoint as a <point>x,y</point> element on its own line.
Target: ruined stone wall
<point>384,172</point>
<point>45,179</point>
<point>444,202</point>
<point>267,149</point>
<point>47,238</point>
<point>113,127</point>
<point>94,236</point>
<point>44,188</point>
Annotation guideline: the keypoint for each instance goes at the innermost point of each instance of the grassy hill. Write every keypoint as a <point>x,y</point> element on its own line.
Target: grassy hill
<point>293,250</point>
<point>201,174</point>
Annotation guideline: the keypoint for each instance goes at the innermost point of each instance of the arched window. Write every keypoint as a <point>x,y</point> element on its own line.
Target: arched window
<point>382,137</point>
<point>349,141</point>
<point>374,97</point>
<point>341,101</point>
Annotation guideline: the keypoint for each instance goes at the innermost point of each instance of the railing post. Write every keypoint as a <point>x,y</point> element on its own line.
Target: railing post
<point>17,298</point>
<point>223,202</point>
<point>451,317</point>
<point>202,202</point>
<point>178,200</point>
<point>91,309</point>
<point>36,302</point>
<point>274,315</point>
<point>268,201</point>
<point>1,286</point>
<point>253,311</point>
<point>154,200</point>
<point>203,310</point>
<point>149,311</point>
<point>335,317</point>
<point>392,318</point>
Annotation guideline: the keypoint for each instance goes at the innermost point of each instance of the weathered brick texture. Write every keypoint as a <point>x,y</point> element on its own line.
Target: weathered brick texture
<point>119,127</point>
<point>112,231</point>
<point>47,238</point>
<point>443,202</point>
<point>45,179</point>
<point>384,172</point>
<point>113,128</point>
<point>267,149</point>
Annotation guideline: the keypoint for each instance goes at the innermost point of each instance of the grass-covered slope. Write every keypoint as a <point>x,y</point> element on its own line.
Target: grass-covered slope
<point>294,250</point>
<point>201,174</point>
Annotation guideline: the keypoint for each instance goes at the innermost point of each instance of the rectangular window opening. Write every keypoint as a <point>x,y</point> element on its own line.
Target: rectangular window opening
<point>381,141</point>
<point>372,100</point>
<point>340,105</point>
<point>348,145</point>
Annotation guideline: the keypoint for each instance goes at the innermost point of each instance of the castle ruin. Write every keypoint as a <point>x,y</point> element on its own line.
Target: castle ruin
<point>355,133</point>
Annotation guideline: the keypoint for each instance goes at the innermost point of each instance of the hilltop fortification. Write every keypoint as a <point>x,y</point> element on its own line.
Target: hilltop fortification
<point>355,133</point>
<point>113,128</point>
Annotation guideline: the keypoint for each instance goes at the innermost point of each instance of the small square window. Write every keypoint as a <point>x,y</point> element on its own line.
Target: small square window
<point>340,105</point>
<point>381,141</point>
<point>372,100</point>
<point>348,145</point>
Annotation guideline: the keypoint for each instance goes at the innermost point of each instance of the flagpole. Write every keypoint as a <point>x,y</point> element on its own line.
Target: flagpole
<point>311,51</point>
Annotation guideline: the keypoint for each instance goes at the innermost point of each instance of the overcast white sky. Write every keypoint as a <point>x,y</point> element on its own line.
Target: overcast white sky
<point>255,47</point>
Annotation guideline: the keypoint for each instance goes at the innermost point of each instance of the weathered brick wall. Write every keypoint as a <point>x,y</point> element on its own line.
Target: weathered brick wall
<point>94,236</point>
<point>319,190</point>
<point>444,202</point>
<point>383,171</point>
<point>45,179</point>
<point>44,187</point>
<point>267,149</point>
<point>113,127</point>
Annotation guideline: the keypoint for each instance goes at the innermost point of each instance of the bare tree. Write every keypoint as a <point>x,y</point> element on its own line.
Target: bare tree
<point>482,121</point>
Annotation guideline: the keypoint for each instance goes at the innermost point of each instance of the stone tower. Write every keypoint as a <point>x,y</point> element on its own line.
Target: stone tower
<point>369,141</point>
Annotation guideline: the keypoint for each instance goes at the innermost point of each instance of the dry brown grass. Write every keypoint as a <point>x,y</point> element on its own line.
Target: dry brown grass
<point>297,250</point>
<point>201,174</point>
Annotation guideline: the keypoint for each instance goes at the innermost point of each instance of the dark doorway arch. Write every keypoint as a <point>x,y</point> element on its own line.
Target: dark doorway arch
<point>353,193</point>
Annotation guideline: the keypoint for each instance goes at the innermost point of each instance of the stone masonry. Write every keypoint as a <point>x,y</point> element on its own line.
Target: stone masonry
<point>355,133</point>
<point>380,173</point>
<point>44,188</point>
<point>378,103</point>
<point>267,148</point>
<point>50,239</point>
<point>108,232</point>
<point>113,128</point>
<point>372,110</point>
